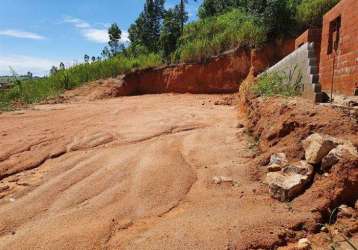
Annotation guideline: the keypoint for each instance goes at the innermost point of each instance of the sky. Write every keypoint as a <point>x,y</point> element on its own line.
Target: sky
<point>37,34</point>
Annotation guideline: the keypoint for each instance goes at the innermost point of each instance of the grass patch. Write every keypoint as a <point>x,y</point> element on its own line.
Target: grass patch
<point>279,84</point>
<point>211,36</point>
<point>36,90</point>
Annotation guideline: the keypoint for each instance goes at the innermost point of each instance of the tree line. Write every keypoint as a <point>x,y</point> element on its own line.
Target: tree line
<point>160,30</point>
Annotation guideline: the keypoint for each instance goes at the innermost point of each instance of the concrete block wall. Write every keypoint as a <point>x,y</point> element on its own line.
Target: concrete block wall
<point>302,65</point>
<point>311,35</point>
<point>345,60</point>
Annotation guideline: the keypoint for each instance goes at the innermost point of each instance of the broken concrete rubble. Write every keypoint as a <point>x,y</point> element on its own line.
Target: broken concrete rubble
<point>301,167</point>
<point>335,155</point>
<point>286,181</point>
<point>291,181</point>
<point>318,146</point>
<point>304,244</point>
<point>223,179</point>
<point>277,162</point>
<point>279,158</point>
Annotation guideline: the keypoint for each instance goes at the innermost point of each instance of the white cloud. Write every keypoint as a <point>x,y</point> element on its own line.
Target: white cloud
<point>21,34</point>
<point>97,35</point>
<point>22,64</point>
<point>78,23</point>
<point>125,37</point>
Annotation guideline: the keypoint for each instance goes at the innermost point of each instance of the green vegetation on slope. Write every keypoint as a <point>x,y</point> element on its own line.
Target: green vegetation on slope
<point>310,12</point>
<point>278,83</point>
<point>36,90</point>
<point>211,36</point>
<point>277,15</point>
<point>280,16</point>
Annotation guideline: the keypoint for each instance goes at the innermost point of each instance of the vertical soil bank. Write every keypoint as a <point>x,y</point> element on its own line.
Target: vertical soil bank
<point>221,74</point>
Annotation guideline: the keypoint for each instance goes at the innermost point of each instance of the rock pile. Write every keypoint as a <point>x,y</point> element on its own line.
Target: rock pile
<point>288,180</point>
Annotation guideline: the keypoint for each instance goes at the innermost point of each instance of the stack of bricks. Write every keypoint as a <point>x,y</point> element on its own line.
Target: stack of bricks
<point>339,49</point>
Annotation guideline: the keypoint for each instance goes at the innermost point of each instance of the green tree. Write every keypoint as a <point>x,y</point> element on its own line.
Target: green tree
<point>310,12</point>
<point>53,70</point>
<point>135,31</point>
<point>106,54</point>
<point>93,59</point>
<point>278,15</point>
<point>171,31</point>
<point>146,29</point>
<point>183,15</point>
<point>86,58</point>
<point>211,8</point>
<point>114,33</point>
<point>62,66</point>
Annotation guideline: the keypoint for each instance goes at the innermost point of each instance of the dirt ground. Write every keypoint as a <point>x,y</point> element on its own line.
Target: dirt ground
<point>133,173</point>
<point>137,173</point>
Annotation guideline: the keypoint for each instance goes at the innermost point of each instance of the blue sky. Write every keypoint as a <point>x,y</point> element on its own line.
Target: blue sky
<point>36,34</point>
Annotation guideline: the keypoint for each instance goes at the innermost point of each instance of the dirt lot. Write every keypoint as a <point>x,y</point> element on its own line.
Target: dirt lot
<point>137,173</point>
<point>134,173</point>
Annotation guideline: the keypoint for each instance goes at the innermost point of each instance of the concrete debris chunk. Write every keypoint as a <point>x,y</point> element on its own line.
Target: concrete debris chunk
<point>290,181</point>
<point>277,162</point>
<point>341,152</point>
<point>304,244</point>
<point>318,146</point>
<point>221,179</point>
<point>279,158</point>
<point>301,167</point>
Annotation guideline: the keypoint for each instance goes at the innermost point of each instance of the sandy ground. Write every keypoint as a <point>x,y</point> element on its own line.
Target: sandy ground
<point>134,173</point>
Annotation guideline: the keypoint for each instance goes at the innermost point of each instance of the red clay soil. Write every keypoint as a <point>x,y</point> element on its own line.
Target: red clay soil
<point>136,173</point>
<point>221,74</point>
<point>97,90</point>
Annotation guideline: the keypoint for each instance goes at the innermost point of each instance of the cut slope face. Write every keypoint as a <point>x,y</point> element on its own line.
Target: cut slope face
<point>134,173</point>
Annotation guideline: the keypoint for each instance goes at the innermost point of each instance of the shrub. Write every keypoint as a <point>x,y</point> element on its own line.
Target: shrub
<point>211,36</point>
<point>277,15</point>
<point>279,84</point>
<point>310,12</point>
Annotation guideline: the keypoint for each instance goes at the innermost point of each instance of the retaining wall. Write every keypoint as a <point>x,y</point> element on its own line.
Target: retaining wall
<point>301,66</point>
<point>311,35</point>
